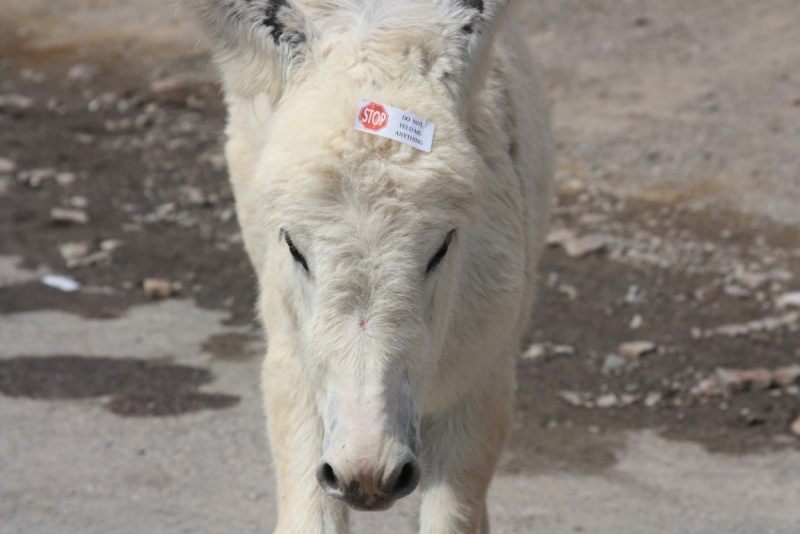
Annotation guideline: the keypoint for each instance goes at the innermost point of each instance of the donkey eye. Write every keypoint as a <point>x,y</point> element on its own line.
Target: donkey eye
<point>439,256</point>
<point>295,253</point>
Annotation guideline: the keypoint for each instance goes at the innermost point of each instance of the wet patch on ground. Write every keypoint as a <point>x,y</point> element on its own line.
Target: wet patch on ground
<point>136,387</point>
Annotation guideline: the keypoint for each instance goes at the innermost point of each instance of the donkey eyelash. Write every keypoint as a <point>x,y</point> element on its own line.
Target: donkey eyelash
<point>440,254</point>
<point>295,253</point>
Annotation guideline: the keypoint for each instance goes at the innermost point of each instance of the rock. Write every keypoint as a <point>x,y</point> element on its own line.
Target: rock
<point>155,288</point>
<point>119,125</point>
<point>81,72</point>
<point>110,245</point>
<point>708,293</point>
<point>636,322</point>
<point>627,399</point>
<point>768,324</point>
<point>707,387</point>
<point>613,363</point>
<point>696,332</point>
<point>795,426</point>
<point>36,177</point>
<point>16,102</point>
<point>781,275</point>
<point>78,202</point>
<point>166,208</point>
<point>653,398</point>
<point>7,166</point>
<point>54,105</point>
<point>143,120</point>
<point>609,400</point>
<point>535,351</point>
<point>30,75</point>
<point>786,375</point>
<point>752,281</point>
<point>581,246</point>
<point>177,89</point>
<point>551,281</point>
<point>64,215</point>
<point>557,237</point>
<point>74,250</point>
<point>217,160</point>
<point>571,292</point>
<point>633,349</point>
<point>788,299</point>
<point>732,330</point>
<point>561,350</point>
<point>732,290</point>
<point>571,397</point>
<point>92,259</point>
<point>170,84</point>
<point>103,102</point>
<point>227,214</point>
<point>733,381</point>
<point>62,283</point>
<point>192,196</point>
<point>192,102</point>
<point>635,295</point>
<point>65,178</point>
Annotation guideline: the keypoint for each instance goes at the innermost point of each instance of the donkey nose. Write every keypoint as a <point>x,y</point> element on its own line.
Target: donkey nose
<point>367,489</point>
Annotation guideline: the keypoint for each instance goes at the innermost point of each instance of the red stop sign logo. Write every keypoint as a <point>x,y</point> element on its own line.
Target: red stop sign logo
<point>373,117</point>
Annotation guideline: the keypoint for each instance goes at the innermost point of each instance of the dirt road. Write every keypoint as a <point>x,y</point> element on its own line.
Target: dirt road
<point>677,126</point>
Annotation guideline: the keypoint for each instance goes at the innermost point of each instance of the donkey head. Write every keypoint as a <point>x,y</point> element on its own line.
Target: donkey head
<point>360,242</point>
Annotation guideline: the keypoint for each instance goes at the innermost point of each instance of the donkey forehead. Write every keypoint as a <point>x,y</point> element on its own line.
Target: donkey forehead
<point>315,157</point>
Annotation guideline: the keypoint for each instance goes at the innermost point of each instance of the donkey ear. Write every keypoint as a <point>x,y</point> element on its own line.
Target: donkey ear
<point>259,44</point>
<point>470,30</point>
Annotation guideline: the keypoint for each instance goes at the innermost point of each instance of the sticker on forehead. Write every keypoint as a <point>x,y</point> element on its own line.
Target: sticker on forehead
<point>394,123</point>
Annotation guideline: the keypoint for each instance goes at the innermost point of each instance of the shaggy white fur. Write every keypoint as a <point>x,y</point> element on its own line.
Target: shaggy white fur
<point>375,345</point>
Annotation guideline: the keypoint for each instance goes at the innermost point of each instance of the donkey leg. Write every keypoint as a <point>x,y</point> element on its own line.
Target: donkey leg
<point>295,435</point>
<point>460,452</point>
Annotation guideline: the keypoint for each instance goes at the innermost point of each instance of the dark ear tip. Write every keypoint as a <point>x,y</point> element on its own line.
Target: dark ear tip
<point>472,4</point>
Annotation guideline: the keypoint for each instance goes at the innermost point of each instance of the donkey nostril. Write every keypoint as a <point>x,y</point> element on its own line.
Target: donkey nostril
<point>327,474</point>
<point>407,480</point>
<point>330,480</point>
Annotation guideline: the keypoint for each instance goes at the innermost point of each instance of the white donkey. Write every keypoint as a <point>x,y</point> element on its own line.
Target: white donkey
<point>396,284</point>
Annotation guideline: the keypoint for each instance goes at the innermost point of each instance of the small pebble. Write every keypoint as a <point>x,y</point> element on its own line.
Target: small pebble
<point>608,400</point>
<point>535,351</point>
<point>62,283</point>
<point>582,246</point>
<point>634,349</point>
<point>16,102</point>
<point>63,215</point>
<point>796,426</point>
<point>7,166</point>
<point>156,288</point>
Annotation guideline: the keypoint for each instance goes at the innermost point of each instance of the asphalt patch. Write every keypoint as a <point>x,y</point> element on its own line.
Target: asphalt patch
<point>138,388</point>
